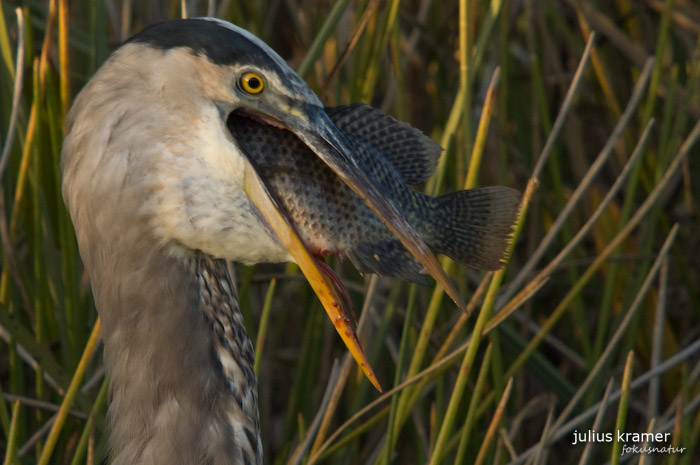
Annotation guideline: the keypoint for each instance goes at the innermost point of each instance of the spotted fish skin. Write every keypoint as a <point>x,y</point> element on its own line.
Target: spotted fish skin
<point>471,226</point>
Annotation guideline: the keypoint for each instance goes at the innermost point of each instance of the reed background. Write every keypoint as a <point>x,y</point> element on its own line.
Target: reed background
<point>593,325</point>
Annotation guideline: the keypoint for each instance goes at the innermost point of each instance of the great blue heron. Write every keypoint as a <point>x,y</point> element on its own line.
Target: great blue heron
<point>160,192</point>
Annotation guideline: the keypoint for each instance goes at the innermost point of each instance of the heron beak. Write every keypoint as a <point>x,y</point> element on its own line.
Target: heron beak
<point>322,283</point>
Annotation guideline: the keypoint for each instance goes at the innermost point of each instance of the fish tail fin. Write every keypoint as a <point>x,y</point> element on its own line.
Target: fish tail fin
<point>474,226</point>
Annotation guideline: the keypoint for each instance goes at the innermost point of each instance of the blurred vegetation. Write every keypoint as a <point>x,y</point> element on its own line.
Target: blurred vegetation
<point>593,325</point>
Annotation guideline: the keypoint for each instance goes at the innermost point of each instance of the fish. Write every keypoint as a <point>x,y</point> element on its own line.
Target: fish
<point>472,226</point>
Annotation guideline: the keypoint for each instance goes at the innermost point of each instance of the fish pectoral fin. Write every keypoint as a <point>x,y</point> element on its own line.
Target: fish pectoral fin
<point>412,153</point>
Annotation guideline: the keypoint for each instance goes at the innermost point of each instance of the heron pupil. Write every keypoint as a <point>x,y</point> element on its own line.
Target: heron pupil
<point>254,83</point>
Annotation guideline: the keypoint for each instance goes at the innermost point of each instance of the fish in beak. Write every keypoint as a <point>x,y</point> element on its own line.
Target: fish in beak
<point>313,183</point>
<point>330,145</point>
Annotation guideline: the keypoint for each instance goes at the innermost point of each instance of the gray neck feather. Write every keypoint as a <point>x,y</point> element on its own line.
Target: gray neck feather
<point>182,381</point>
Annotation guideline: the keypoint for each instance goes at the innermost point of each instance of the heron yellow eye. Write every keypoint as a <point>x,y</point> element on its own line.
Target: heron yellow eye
<point>252,83</point>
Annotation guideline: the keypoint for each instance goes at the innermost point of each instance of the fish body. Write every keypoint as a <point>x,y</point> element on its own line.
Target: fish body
<point>470,226</point>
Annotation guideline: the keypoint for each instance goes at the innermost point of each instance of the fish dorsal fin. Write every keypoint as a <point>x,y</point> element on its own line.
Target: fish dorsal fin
<point>412,153</point>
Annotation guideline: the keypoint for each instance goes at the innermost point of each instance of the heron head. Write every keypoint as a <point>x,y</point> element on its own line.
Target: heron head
<point>148,137</point>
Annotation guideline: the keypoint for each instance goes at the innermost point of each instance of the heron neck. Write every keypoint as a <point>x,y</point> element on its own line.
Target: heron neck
<point>235,355</point>
<point>181,366</point>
